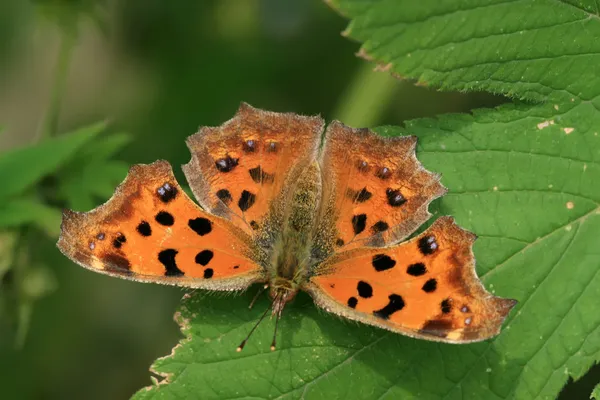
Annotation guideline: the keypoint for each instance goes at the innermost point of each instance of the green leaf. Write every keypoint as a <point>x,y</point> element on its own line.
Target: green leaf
<point>21,168</point>
<point>596,393</point>
<point>91,173</point>
<point>523,177</point>
<point>536,50</point>
<point>26,211</point>
<point>511,183</point>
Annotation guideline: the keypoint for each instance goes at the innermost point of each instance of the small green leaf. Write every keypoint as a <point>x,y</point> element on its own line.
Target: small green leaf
<point>38,282</point>
<point>596,393</point>
<point>21,168</point>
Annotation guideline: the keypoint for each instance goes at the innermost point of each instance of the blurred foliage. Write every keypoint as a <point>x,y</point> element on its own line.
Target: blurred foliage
<point>161,69</point>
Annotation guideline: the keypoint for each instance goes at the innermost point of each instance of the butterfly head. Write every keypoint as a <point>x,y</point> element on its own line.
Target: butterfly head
<point>282,291</point>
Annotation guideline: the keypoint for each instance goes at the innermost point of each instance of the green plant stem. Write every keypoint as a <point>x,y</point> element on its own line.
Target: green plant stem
<point>367,98</point>
<point>50,124</point>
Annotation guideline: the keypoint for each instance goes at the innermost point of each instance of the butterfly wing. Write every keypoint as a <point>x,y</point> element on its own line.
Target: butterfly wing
<point>239,170</point>
<point>426,287</point>
<point>375,191</point>
<point>151,231</point>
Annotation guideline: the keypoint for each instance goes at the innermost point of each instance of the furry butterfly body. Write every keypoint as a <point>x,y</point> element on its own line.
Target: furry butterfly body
<point>278,208</point>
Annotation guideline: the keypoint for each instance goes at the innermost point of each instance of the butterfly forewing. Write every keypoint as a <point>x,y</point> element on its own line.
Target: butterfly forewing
<point>150,230</point>
<point>240,169</point>
<point>376,191</point>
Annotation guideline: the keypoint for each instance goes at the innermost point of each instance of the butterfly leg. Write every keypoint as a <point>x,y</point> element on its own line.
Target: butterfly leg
<point>260,291</point>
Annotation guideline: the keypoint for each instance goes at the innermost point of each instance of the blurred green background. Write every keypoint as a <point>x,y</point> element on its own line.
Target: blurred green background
<point>157,70</point>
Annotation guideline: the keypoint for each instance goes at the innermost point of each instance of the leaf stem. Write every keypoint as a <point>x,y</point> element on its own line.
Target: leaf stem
<point>50,123</point>
<point>367,97</point>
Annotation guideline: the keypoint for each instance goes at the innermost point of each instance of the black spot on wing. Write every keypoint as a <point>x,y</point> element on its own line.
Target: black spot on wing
<point>416,269</point>
<point>359,196</point>
<point>339,242</point>
<point>164,218</point>
<point>362,166</point>
<point>256,174</point>
<point>382,262</point>
<point>246,200</point>
<point>204,257</point>
<point>144,228</point>
<point>224,195</point>
<point>380,226</point>
<point>208,273</point>
<point>272,147</point>
<point>359,222</point>
<point>167,192</point>
<point>259,176</point>
<point>427,245</point>
<point>352,302</point>
<point>395,304</point>
<point>226,164</point>
<point>430,286</point>
<point>394,197</point>
<point>202,226</point>
<point>446,306</point>
<point>167,258</point>
<point>119,240</point>
<point>383,173</point>
<point>249,146</point>
<point>364,290</point>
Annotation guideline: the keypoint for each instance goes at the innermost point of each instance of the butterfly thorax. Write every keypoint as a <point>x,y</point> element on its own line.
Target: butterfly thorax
<point>292,253</point>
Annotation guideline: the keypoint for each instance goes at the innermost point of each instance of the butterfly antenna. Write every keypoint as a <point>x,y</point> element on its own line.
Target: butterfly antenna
<point>274,342</point>
<point>241,346</point>
<point>260,291</point>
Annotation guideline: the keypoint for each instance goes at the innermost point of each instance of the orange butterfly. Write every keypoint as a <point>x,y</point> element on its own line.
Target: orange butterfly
<point>280,209</point>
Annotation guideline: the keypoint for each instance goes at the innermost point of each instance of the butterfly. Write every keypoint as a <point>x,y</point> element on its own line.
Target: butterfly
<point>289,204</point>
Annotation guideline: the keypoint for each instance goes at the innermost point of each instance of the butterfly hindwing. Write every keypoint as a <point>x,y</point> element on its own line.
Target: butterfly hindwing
<point>150,230</point>
<point>426,287</point>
